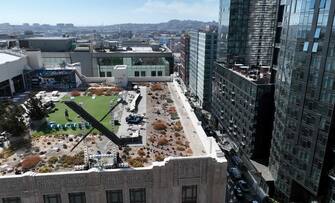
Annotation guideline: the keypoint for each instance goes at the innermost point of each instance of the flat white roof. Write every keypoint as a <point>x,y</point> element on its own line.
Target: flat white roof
<point>120,67</point>
<point>5,58</point>
<point>142,49</point>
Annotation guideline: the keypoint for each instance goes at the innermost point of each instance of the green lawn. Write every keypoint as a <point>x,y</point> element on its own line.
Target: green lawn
<point>97,107</point>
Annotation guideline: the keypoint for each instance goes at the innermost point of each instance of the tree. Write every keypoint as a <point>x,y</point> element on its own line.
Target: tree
<point>12,120</point>
<point>36,110</point>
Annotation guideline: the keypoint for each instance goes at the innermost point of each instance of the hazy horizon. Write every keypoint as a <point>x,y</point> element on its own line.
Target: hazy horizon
<point>107,12</point>
<point>109,24</point>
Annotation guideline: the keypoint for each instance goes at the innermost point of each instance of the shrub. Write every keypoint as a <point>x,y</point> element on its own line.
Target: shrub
<point>163,141</point>
<point>126,150</point>
<point>177,134</point>
<point>179,148</point>
<point>30,162</point>
<point>75,93</point>
<point>97,91</point>
<point>141,152</point>
<point>189,151</point>
<point>137,162</point>
<point>168,100</point>
<point>52,160</point>
<point>44,169</point>
<point>159,157</point>
<point>178,142</point>
<point>159,125</point>
<point>174,116</point>
<point>178,126</point>
<point>156,87</point>
<point>152,140</point>
<point>69,161</point>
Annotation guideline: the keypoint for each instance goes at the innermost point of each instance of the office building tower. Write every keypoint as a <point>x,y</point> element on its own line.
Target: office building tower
<point>302,145</point>
<point>203,47</point>
<point>185,57</point>
<point>243,89</point>
<point>246,31</point>
<point>242,86</point>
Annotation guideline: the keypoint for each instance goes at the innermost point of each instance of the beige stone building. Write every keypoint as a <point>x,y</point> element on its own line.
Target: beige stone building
<point>179,180</point>
<point>200,178</point>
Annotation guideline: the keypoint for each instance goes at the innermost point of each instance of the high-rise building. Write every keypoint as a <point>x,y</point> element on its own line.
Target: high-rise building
<point>185,58</point>
<point>247,31</point>
<point>203,47</point>
<point>243,107</point>
<point>242,76</point>
<point>303,138</point>
<point>243,89</point>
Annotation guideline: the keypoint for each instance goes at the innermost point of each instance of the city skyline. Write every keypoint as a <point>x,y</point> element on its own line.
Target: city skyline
<point>103,12</point>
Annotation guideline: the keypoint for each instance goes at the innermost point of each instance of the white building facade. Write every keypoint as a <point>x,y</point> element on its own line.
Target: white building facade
<point>12,66</point>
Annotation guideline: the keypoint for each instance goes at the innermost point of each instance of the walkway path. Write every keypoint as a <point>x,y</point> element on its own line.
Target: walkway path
<point>189,128</point>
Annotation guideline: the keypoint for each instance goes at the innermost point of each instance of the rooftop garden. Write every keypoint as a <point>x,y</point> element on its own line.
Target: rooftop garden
<point>63,120</point>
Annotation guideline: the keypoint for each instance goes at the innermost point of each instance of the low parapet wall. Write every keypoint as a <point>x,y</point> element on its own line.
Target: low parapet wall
<point>163,182</point>
<point>151,79</point>
<point>209,143</point>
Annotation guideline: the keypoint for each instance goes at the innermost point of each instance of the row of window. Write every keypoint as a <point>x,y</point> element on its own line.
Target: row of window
<point>138,195</point>
<point>136,73</point>
<point>112,196</point>
<point>153,73</point>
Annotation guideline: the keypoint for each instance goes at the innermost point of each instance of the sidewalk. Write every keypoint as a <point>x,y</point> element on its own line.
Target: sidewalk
<point>189,128</point>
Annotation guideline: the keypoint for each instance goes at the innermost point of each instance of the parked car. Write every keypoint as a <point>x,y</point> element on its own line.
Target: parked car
<point>243,185</point>
<point>238,192</point>
<point>234,173</point>
<point>236,160</point>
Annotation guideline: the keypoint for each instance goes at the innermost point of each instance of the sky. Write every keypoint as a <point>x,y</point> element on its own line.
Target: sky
<point>106,12</point>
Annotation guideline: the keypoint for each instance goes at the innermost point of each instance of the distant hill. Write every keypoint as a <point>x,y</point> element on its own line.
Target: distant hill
<point>172,25</point>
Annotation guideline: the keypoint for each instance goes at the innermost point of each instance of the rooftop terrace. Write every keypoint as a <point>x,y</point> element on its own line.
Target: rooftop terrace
<point>166,116</point>
<point>257,74</point>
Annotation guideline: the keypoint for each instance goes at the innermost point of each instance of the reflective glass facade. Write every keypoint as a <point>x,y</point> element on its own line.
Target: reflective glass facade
<point>304,100</point>
<point>203,47</point>
<point>247,31</point>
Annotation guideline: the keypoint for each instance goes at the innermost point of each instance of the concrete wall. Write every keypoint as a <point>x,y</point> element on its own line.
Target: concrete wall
<point>85,59</point>
<point>12,69</point>
<point>151,79</point>
<point>162,181</point>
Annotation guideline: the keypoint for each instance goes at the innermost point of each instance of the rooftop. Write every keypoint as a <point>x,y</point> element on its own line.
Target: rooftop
<point>257,74</point>
<point>264,170</point>
<point>5,58</point>
<point>50,38</point>
<point>134,49</point>
<point>169,129</point>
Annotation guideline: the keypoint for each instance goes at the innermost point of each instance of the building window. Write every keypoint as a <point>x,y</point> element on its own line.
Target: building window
<point>189,194</point>
<point>137,195</point>
<point>109,74</point>
<point>143,73</point>
<point>323,3</point>
<point>78,197</point>
<point>160,73</point>
<point>11,200</point>
<point>114,196</point>
<point>102,74</point>
<point>53,198</point>
<point>315,47</point>
<point>153,73</point>
<point>306,46</point>
<point>137,74</point>
<point>317,33</point>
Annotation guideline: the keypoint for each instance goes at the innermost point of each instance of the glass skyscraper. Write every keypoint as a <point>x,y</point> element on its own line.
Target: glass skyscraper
<point>246,31</point>
<point>303,138</point>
